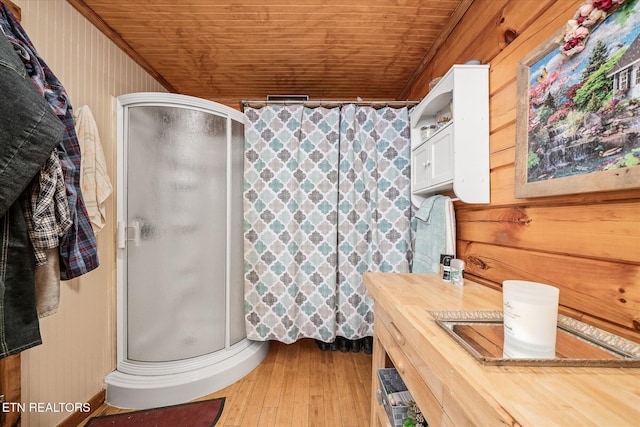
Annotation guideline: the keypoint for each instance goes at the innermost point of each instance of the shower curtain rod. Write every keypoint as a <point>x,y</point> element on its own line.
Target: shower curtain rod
<point>326,103</point>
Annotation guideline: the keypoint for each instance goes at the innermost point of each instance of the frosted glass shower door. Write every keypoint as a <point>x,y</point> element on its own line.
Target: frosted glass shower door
<point>176,232</point>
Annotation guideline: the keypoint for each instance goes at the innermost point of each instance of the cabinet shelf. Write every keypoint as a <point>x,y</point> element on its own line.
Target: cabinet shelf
<point>456,157</point>
<point>435,134</point>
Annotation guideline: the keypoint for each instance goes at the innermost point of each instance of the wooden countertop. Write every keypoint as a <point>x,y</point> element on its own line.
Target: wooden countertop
<point>529,396</point>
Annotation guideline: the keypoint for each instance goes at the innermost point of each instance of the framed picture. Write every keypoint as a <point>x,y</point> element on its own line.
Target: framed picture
<point>578,113</point>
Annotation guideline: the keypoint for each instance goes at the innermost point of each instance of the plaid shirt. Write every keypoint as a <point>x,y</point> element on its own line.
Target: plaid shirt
<point>78,248</point>
<point>46,211</point>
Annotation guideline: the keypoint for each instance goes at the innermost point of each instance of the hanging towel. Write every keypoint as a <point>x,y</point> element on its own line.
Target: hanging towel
<point>435,234</point>
<point>94,181</point>
<point>450,215</point>
<point>48,284</point>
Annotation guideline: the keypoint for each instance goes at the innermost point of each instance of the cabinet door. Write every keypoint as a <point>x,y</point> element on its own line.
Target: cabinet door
<point>420,168</point>
<point>441,159</point>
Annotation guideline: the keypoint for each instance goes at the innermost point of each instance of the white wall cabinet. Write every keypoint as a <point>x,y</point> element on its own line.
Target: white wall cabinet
<point>456,156</point>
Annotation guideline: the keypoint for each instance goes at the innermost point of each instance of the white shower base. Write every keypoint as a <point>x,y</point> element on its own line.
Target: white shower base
<point>137,385</point>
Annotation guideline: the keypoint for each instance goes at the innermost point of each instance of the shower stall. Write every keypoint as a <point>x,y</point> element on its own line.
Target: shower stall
<point>180,308</point>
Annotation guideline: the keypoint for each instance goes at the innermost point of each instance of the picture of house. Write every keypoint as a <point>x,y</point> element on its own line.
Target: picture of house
<point>626,72</point>
<point>584,108</point>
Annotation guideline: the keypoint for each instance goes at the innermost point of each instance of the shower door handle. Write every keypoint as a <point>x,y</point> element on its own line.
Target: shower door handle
<point>129,234</point>
<point>135,228</point>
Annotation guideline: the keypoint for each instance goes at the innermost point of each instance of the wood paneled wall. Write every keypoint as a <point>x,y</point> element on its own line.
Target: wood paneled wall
<point>588,245</point>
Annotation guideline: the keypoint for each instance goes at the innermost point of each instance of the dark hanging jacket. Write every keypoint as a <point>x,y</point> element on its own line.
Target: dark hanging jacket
<point>29,132</point>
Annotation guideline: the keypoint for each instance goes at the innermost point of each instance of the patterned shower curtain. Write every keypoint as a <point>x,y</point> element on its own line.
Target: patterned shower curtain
<point>374,208</point>
<point>326,198</point>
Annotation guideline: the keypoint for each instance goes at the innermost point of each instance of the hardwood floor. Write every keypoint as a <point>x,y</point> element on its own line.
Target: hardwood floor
<point>297,385</point>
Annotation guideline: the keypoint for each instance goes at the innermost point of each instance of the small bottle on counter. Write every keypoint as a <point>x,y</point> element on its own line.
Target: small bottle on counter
<point>445,267</point>
<point>457,271</point>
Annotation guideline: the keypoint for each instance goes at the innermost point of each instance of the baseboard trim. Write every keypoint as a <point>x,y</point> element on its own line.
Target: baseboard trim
<point>77,417</point>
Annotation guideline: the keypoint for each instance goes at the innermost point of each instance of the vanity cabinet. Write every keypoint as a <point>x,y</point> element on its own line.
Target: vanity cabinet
<point>452,388</point>
<point>454,156</point>
<point>433,161</point>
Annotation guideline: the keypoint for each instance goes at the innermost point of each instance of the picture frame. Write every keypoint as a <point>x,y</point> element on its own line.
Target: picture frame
<point>575,126</point>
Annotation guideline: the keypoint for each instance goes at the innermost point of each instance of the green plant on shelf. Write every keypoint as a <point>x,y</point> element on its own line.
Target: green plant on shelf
<point>415,417</point>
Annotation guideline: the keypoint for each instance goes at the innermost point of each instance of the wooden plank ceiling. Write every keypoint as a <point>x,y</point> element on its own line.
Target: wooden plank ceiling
<point>233,50</point>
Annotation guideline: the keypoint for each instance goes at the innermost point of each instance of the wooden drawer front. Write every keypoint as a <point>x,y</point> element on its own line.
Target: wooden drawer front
<point>402,342</point>
<point>399,350</point>
<point>467,405</point>
<point>454,412</point>
<point>431,370</point>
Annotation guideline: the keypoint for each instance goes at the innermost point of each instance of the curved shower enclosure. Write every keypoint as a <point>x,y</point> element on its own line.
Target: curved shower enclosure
<point>181,332</point>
